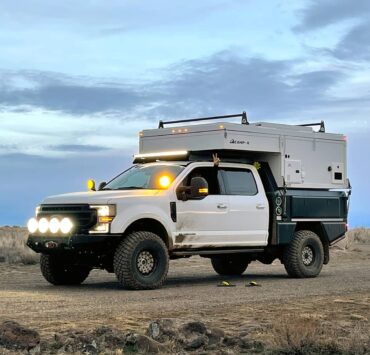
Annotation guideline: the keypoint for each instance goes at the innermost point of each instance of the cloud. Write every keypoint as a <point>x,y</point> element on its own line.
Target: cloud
<point>117,15</point>
<point>77,148</point>
<point>355,45</point>
<point>221,83</point>
<point>266,89</point>
<point>321,13</point>
<point>58,134</point>
<point>53,91</point>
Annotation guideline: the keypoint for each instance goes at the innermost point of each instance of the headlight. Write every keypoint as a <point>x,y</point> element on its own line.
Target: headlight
<point>105,210</point>
<point>106,214</point>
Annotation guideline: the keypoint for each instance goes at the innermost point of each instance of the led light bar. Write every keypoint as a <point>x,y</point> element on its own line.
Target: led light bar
<point>161,154</point>
<point>53,226</point>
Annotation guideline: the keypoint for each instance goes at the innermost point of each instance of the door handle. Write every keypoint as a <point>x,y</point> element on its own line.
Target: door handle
<point>260,206</point>
<point>221,206</point>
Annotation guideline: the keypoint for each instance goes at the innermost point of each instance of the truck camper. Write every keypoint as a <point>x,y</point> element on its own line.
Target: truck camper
<point>231,192</point>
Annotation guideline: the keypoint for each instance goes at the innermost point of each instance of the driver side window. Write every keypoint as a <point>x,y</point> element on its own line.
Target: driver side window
<point>213,177</point>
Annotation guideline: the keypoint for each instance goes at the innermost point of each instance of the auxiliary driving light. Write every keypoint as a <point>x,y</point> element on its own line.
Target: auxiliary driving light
<point>32,225</point>
<point>54,225</point>
<point>66,225</point>
<point>43,225</point>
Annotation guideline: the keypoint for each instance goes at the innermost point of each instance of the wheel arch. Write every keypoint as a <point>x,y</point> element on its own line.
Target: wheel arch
<point>318,229</point>
<point>150,225</point>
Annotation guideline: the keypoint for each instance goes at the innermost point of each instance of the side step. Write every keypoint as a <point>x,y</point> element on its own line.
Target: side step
<point>216,251</point>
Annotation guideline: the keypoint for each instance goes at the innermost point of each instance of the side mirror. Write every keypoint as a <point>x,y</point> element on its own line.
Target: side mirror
<point>102,185</point>
<point>198,188</point>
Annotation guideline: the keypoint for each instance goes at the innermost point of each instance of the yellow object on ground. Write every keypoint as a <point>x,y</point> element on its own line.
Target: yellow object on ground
<point>225,284</point>
<point>252,284</point>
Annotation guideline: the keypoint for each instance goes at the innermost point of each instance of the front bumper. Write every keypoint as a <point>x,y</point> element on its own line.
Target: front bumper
<point>100,243</point>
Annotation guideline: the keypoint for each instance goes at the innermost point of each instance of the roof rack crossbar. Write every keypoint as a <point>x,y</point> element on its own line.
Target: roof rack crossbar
<point>243,115</point>
<point>321,124</point>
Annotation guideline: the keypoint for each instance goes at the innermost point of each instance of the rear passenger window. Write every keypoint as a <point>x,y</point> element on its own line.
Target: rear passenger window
<point>239,182</point>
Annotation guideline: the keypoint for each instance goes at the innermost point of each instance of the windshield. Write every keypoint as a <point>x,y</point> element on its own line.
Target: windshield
<point>145,177</point>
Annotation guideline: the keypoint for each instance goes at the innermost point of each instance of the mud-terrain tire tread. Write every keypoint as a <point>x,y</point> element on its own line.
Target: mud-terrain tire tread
<point>292,255</point>
<point>229,266</point>
<point>56,273</point>
<point>124,267</point>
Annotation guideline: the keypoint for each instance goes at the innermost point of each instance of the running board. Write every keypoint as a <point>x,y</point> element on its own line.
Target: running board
<point>216,251</point>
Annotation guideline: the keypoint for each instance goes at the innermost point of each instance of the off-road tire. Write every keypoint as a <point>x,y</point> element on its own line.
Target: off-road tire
<point>57,271</point>
<point>228,266</point>
<point>295,262</point>
<point>126,261</point>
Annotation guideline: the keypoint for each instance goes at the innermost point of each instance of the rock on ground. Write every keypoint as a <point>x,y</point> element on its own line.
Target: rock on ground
<point>163,336</point>
<point>15,336</point>
<point>189,335</point>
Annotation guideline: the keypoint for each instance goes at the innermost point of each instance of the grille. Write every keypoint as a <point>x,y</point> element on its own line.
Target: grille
<point>82,216</point>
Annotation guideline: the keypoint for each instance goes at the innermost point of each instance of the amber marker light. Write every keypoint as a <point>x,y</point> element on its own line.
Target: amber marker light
<point>164,181</point>
<point>105,219</point>
<point>91,185</point>
<point>203,190</point>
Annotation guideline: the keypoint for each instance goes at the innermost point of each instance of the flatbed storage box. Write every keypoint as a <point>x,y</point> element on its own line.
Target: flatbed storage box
<point>298,155</point>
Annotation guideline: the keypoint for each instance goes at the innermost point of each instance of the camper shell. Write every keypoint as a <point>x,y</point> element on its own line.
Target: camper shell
<point>298,156</point>
<point>303,170</point>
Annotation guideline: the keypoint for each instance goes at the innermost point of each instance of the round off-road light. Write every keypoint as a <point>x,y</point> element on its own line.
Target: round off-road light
<point>32,225</point>
<point>66,225</point>
<point>54,225</point>
<point>278,201</point>
<point>43,225</point>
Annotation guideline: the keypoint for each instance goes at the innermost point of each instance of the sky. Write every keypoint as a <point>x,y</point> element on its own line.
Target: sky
<point>80,79</point>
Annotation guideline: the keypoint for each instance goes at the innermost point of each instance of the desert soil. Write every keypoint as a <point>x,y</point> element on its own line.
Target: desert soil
<point>341,294</point>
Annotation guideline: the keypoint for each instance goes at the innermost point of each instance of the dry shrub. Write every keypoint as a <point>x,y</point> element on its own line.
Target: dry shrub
<point>354,236</point>
<point>13,248</point>
<point>299,335</point>
<point>294,335</point>
<point>359,235</point>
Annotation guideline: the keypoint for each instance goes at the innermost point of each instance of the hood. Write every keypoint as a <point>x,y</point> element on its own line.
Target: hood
<point>99,197</point>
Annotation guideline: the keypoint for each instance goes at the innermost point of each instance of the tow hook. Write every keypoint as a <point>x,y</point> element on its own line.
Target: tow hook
<point>51,245</point>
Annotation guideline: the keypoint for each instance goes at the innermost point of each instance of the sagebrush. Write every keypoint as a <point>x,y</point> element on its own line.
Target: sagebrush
<point>300,335</point>
<point>13,248</point>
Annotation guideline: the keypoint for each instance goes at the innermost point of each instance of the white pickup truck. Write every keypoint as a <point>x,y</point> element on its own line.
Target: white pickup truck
<point>175,203</point>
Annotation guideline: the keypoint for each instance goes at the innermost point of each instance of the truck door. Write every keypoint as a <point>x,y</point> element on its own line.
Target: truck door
<point>248,206</point>
<point>203,223</point>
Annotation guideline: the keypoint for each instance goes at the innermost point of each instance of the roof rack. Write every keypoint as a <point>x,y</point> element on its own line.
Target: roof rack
<point>321,124</point>
<point>243,115</point>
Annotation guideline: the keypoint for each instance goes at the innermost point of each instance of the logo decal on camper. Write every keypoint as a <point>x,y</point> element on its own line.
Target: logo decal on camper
<point>235,141</point>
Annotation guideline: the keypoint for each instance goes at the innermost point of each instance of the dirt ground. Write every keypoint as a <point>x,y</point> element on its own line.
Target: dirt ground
<point>340,296</point>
